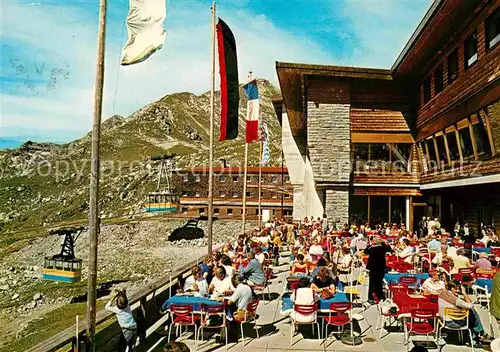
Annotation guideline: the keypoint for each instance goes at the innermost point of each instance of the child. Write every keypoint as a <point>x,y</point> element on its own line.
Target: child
<point>125,319</point>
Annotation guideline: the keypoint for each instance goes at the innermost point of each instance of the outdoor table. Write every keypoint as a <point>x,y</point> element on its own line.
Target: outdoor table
<point>483,283</point>
<point>393,278</point>
<point>193,301</point>
<point>408,303</point>
<point>324,304</point>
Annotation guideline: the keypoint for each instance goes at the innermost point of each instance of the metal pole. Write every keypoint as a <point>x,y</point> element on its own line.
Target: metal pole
<point>282,184</point>
<point>245,173</point>
<point>94,177</point>
<point>260,176</point>
<point>211,152</point>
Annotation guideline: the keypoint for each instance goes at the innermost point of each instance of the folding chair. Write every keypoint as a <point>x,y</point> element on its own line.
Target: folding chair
<point>303,310</point>
<point>208,312</point>
<point>419,325</point>
<point>339,318</point>
<point>182,315</point>
<point>457,314</point>
<point>250,316</point>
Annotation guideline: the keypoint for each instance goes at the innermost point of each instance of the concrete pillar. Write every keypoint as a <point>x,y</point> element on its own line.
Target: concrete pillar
<point>337,206</point>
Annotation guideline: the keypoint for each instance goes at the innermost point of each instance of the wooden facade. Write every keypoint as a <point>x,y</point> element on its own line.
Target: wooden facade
<point>441,96</point>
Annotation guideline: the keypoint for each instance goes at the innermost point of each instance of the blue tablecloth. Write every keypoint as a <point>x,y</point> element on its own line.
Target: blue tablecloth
<point>484,282</point>
<point>482,250</point>
<point>194,301</point>
<point>324,304</point>
<point>394,278</point>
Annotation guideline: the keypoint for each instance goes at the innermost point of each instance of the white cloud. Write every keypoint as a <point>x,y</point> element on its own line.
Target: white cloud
<point>63,36</point>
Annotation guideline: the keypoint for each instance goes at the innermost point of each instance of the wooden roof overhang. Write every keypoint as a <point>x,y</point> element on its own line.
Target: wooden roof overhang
<point>441,24</point>
<point>370,112</point>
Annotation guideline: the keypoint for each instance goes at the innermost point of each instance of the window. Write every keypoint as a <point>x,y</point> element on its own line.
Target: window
<point>470,50</point>
<point>184,210</point>
<point>438,80</point>
<point>249,178</point>
<point>230,211</point>
<point>222,194</point>
<point>480,136</point>
<point>451,138</point>
<point>431,153</point>
<point>184,193</point>
<point>256,211</point>
<point>222,178</point>
<point>443,158</point>
<point>198,178</point>
<point>373,156</point>
<point>201,211</point>
<point>453,66</point>
<point>274,195</point>
<point>248,194</point>
<point>262,194</point>
<point>274,179</point>
<point>216,211</point>
<point>197,194</point>
<point>427,89</point>
<point>235,194</point>
<point>235,178</point>
<point>286,179</point>
<point>492,28</point>
<point>287,195</point>
<point>465,139</point>
<point>400,156</point>
<point>185,178</point>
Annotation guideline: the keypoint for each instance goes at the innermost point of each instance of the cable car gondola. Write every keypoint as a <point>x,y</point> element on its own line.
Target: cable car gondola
<point>163,199</point>
<point>64,267</point>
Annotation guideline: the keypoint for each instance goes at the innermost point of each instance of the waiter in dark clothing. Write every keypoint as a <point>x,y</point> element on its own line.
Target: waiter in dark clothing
<point>376,265</point>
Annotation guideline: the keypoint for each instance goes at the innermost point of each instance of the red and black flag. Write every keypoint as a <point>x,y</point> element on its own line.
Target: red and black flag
<point>229,85</point>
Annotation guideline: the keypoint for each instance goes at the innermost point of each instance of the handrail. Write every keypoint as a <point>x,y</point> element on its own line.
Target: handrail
<point>66,336</point>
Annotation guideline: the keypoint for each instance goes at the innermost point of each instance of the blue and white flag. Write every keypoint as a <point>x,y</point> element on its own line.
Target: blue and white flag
<point>253,111</point>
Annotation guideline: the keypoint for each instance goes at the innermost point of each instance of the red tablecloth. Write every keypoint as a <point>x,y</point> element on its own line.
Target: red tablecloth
<point>408,303</point>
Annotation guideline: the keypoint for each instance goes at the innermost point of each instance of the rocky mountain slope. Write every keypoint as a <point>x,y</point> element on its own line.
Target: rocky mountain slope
<point>42,184</point>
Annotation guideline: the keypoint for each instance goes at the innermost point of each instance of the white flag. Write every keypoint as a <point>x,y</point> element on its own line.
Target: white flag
<point>145,30</point>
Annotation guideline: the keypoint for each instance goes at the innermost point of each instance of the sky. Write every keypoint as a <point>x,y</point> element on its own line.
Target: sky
<point>48,53</point>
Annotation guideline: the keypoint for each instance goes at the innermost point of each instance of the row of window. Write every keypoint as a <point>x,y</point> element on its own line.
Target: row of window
<point>229,211</point>
<point>492,35</point>
<point>381,156</point>
<point>222,178</point>
<point>222,194</point>
<point>465,140</point>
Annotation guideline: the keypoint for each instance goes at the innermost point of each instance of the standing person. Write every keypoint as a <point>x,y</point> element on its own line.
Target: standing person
<point>125,319</point>
<point>324,224</point>
<point>495,297</point>
<point>376,265</point>
<point>457,229</point>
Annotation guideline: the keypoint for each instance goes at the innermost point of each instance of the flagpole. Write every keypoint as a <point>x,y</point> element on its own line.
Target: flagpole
<point>245,173</point>
<point>94,177</point>
<point>211,152</point>
<point>260,176</point>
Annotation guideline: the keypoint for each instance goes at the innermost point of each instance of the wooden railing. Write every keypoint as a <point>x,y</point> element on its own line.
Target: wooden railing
<point>146,305</point>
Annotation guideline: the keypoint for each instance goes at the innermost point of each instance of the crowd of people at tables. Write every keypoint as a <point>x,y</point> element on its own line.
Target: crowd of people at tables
<point>319,254</point>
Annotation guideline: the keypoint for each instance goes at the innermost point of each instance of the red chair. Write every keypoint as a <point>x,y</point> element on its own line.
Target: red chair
<point>261,289</point>
<point>465,276</point>
<point>182,315</point>
<point>339,318</point>
<point>419,324</point>
<point>303,310</point>
<point>250,316</point>
<point>208,312</point>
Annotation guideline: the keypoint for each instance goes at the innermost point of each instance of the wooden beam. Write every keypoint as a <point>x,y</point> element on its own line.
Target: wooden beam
<point>459,145</point>
<point>364,137</point>
<point>448,157</point>
<point>436,151</point>
<point>487,125</point>
<point>473,140</point>
<point>369,208</point>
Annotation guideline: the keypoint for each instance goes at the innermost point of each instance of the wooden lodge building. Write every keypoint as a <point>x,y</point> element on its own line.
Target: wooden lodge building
<point>391,145</point>
<point>276,191</point>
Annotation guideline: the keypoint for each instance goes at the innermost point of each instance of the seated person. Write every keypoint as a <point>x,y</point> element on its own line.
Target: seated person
<point>300,266</point>
<point>316,249</point>
<point>440,257</point>
<point>323,284</point>
<point>293,256</point>
<point>196,282</point>
<point>307,257</point>
<point>322,262</point>
<point>259,255</point>
<point>450,298</point>
<point>304,295</point>
<point>226,262</point>
<point>434,244</point>
<point>242,295</point>
<point>494,241</point>
<point>433,285</point>
<point>228,250</point>
<point>407,251</point>
<point>482,262</point>
<point>221,283</point>
<point>460,261</point>
<point>253,273</point>
<point>345,261</point>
